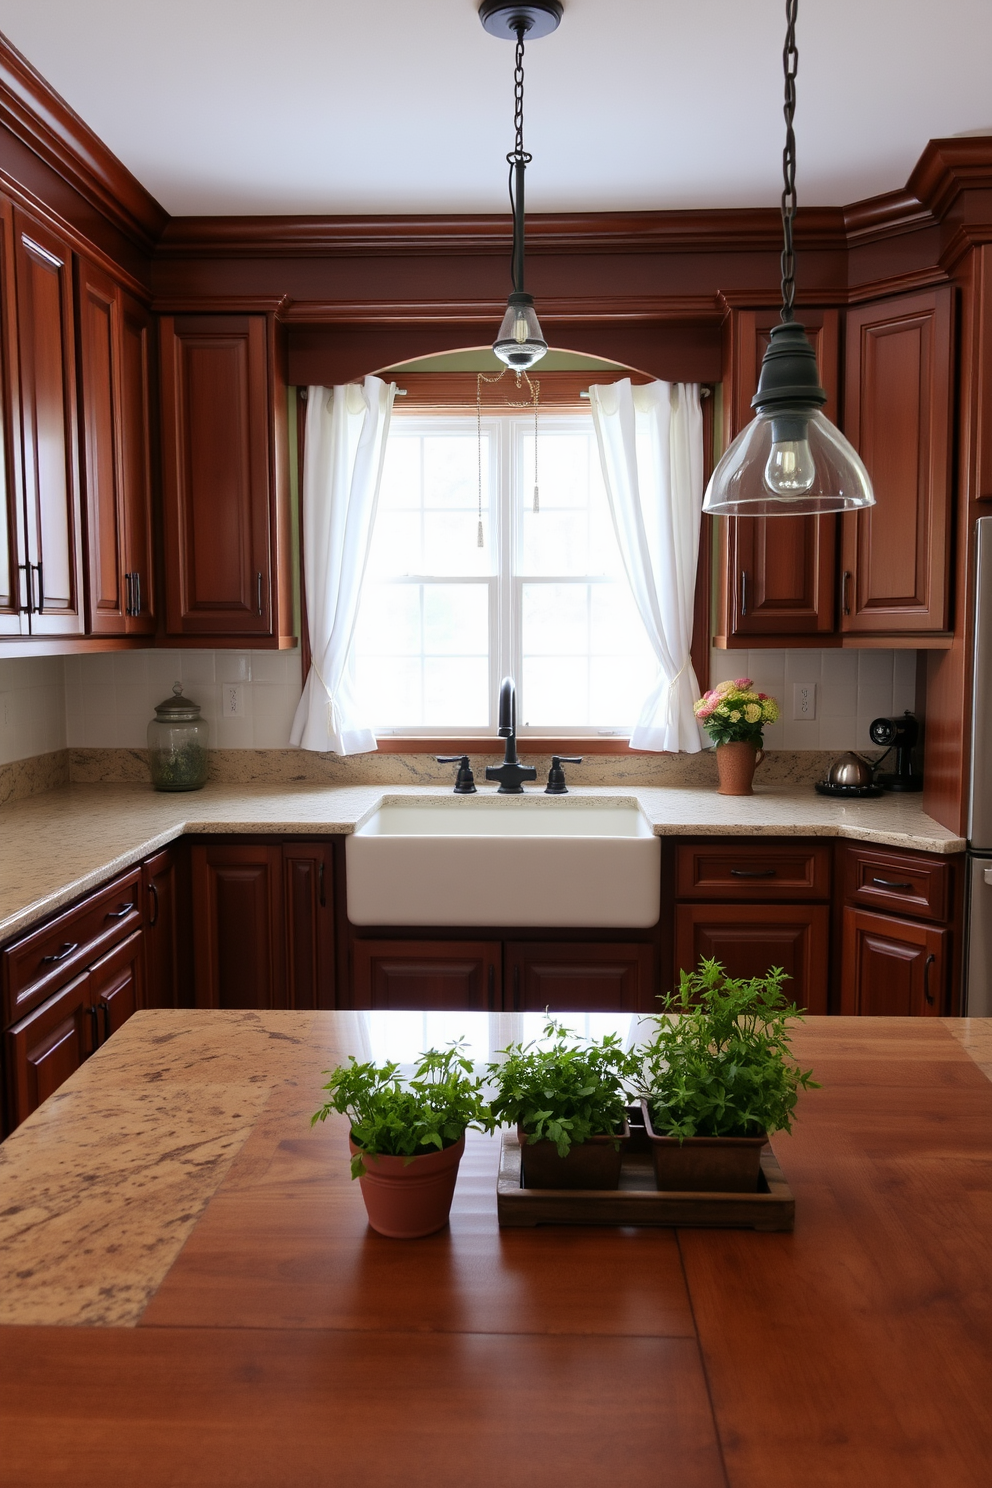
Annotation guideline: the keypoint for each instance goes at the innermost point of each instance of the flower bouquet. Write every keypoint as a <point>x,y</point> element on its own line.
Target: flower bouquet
<point>734,716</point>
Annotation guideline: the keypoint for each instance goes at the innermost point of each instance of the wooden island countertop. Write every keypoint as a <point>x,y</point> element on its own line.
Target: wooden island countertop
<point>190,1294</point>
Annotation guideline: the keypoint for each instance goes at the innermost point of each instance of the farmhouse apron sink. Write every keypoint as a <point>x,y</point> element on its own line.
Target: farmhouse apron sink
<point>493,861</point>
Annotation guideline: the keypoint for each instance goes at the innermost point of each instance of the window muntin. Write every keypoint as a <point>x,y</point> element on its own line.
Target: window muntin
<point>545,599</point>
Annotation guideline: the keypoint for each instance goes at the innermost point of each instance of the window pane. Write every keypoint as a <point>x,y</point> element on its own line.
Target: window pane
<point>421,655</point>
<point>554,692</point>
<point>585,651</point>
<point>428,517</point>
<point>572,532</point>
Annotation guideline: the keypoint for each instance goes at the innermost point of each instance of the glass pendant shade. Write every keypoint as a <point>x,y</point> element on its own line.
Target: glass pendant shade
<point>790,461</point>
<point>520,342</point>
<point>797,464</point>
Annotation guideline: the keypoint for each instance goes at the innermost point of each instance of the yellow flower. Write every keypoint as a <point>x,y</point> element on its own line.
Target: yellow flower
<point>723,688</point>
<point>753,712</point>
<point>735,716</point>
<point>770,710</point>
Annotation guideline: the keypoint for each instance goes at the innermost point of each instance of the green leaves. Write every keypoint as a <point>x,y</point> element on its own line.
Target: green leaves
<point>719,1063</point>
<point>432,1111</point>
<point>568,1092</point>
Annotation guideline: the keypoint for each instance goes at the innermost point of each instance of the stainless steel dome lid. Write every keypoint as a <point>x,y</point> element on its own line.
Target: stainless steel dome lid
<point>850,769</point>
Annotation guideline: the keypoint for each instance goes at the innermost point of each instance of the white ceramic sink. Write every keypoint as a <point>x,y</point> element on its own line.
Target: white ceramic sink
<point>493,860</point>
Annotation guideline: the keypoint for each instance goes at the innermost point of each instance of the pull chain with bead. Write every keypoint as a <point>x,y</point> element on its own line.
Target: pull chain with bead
<point>534,387</point>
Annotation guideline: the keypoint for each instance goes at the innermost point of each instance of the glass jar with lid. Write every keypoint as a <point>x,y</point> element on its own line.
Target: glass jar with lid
<point>177,744</point>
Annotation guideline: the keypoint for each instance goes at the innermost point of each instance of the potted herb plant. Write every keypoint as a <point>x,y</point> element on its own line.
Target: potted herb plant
<point>407,1138</point>
<point>734,716</point>
<point>568,1099</point>
<point>720,1079</point>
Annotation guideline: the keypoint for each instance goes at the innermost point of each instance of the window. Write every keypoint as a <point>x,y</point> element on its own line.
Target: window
<point>544,600</point>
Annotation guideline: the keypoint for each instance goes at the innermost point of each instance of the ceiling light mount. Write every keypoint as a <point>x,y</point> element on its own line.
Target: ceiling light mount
<point>507,18</point>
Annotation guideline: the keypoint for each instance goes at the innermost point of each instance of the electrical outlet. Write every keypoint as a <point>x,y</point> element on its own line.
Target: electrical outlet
<point>804,700</point>
<point>233,705</point>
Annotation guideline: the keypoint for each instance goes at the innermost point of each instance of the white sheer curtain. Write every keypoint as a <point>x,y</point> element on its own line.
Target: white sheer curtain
<point>651,446</point>
<point>342,467</point>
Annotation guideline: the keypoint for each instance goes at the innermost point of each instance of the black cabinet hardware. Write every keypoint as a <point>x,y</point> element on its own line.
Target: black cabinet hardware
<point>754,872</point>
<point>890,883</point>
<point>154,893</point>
<point>926,978</point>
<point>61,954</point>
<point>122,912</point>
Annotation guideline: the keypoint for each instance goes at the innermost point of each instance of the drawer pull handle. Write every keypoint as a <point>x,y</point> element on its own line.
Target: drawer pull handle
<point>754,872</point>
<point>122,912</point>
<point>91,1012</point>
<point>926,978</point>
<point>890,883</point>
<point>61,953</point>
<point>105,1010</point>
<point>152,889</point>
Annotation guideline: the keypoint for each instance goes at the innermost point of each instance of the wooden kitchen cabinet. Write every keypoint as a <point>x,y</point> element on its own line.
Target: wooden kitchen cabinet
<point>432,974</point>
<point>46,1047</point>
<point>237,925</point>
<point>898,414</point>
<point>14,619</point>
<point>309,924</point>
<point>224,485</point>
<point>581,977</point>
<point>48,428</point>
<point>777,574</point>
<point>116,985</point>
<point>166,930</point>
<point>115,435</point>
<point>749,939</point>
<point>893,968</point>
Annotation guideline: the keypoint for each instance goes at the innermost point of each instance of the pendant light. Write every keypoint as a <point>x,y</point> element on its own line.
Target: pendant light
<point>519,342</point>
<point>790,460</point>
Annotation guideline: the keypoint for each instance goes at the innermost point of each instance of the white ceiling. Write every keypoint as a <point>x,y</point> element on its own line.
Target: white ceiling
<point>337,106</point>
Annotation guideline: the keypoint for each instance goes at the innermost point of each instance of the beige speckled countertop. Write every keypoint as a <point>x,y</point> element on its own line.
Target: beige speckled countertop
<point>62,843</point>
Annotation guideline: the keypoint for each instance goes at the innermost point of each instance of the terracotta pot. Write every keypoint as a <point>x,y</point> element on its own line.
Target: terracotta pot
<point>736,764</point>
<point>594,1163</point>
<point>409,1197</point>
<point>705,1164</point>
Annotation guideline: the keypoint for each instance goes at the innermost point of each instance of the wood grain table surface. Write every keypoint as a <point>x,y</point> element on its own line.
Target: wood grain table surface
<point>190,1293</point>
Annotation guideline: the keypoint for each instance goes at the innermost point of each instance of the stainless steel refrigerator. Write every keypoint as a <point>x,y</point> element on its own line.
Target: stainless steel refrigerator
<point>978,989</point>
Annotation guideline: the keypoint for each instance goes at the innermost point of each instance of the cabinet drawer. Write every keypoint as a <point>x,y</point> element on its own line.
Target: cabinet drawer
<point>898,882</point>
<point>747,870</point>
<point>39,963</point>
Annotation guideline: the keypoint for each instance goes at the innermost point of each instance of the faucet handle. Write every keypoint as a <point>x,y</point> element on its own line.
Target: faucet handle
<point>556,775</point>
<point>464,780</point>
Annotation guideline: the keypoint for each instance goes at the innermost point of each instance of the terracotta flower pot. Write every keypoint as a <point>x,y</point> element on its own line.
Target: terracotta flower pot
<point>736,764</point>
<point>594,1163</point>
<point>705,1164</point>
<point>409,1197</point>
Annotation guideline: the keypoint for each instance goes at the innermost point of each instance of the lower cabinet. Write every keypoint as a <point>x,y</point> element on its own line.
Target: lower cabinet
<point>582,977</point>
<point>510,976</point>
<point>166,930</point>
<point>750,939</point>
<point>46,1047</point>
<point>893,968</point>
<point>263,925</point>
<point>441,975</point>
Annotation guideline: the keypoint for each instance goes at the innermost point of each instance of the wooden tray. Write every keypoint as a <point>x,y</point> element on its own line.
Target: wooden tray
<point>638,1202</point>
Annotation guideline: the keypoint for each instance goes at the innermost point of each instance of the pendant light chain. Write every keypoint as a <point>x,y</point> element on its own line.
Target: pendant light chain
<point>790,65</point>
<point>534,402</point>
<point>518,157</point>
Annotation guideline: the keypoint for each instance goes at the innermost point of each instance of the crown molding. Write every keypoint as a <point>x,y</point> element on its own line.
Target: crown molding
<point>703,310</point>
<point>949,167</point>
<point>37,116</point>
<point>211,304</point>
<point>880,217</point>
<point>547,233</point>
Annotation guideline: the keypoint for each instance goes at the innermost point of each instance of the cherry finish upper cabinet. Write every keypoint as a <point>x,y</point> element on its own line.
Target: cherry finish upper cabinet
<point>224,485</point>
<point>47,397</point>
<point>13,538</point>
<point>777,573</point>
<point>115,411</point>
<point>898,407</point>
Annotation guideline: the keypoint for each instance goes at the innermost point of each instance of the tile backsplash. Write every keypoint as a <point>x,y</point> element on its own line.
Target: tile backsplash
<point>106,700</point>
<point>852,688</point>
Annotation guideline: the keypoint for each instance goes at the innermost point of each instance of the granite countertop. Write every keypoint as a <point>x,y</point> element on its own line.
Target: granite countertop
<point>58,845</point>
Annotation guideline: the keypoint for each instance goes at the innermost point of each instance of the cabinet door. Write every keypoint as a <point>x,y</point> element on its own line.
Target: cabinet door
<point>433,974</point>
<point>749,939</point>
<point>215,472</point>
<point>13,539</point>
<point>590,978</point>
<point>47,1046</point>
<point>898,415</point>
<point>163,952</point>
<point>98,311</point>
<point>45,345</point>
<point>778,572</point>
<point>892,968</point>
<point>309,918</point>
<point>136,464</point>
<point>117,985</point>
<point>238,926</point>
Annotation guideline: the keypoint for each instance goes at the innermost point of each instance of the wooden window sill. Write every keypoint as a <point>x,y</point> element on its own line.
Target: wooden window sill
<point>396,744</point>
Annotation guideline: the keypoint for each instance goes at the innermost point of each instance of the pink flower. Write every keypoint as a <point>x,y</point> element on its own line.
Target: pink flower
<point>742,682</point>
<point>763,696</point>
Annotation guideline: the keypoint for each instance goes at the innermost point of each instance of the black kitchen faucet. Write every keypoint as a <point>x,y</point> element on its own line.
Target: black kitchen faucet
<point>511,773</point>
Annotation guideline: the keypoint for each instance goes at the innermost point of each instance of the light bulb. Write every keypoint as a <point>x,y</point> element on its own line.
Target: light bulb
<point>520,329</point>
<point>790,469</point>
<point>520,343</point>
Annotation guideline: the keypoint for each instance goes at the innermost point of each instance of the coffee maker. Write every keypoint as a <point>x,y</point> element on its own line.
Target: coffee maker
<point>900,734</point>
